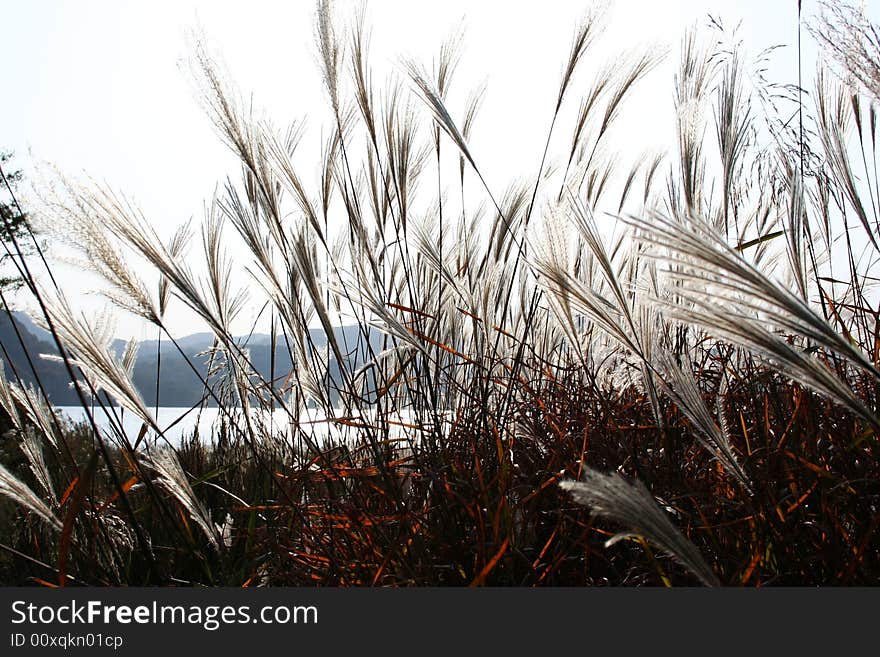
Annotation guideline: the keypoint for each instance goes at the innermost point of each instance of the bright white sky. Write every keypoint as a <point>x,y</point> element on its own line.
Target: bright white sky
<point>95,87</point>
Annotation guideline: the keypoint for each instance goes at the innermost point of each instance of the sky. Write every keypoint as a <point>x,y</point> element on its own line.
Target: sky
<point>97,88</point>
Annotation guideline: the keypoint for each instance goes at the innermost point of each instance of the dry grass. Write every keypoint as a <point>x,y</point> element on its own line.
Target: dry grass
<point>704,330</point>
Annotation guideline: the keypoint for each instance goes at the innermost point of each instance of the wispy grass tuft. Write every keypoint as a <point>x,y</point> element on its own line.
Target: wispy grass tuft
<point>441,356</point>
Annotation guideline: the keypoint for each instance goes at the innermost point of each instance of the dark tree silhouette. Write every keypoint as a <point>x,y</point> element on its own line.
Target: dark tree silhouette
<point>13,225</point>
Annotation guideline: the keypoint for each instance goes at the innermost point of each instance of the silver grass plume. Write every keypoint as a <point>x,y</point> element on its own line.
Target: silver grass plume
<point>796,215</point>
<point>637,65</point>
<point>432,98</point>
<point>76,216</point>
<point>600,85</point>
<point>117,216</point>
<point>380,317</point>
<point>699,259</point>
<point>680,385</point>
<point>472,109</point>
<point>225,304</point>
<point>555,254</point>
<point>7,398</point>
<point>33,451</point>
<point>846,33</point>
<point>19,493</point>
<point>720,292</point>
<point>176,248</point>
<point>608,308</point>
<point>360,43</point>
<point>735,134</point>
<point>632,506</point>
<point>329,50</point>
<point>37,411</point>
<point>587,30</point>
<point>833,107</point>
<point>130,225</point>
<point>616,81</point>
<point>89,342</point>
<point>171,477</point>
<point>693,82</point>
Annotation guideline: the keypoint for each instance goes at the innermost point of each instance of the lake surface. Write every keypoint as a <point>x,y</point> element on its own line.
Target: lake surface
<point>177,423</point>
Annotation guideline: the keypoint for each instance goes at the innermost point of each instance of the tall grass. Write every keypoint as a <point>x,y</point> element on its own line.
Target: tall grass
<point>702,324</point>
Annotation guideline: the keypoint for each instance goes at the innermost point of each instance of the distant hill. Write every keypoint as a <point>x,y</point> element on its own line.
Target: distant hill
<point>179,385</point>
<point>36,342</point>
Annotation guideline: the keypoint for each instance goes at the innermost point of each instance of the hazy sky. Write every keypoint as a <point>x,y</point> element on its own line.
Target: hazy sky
<point>96,87</point>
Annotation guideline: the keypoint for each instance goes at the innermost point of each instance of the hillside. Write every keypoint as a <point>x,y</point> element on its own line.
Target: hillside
<point>179,385</point>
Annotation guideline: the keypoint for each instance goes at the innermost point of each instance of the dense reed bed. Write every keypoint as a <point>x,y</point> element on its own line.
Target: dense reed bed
<point>656,373</point>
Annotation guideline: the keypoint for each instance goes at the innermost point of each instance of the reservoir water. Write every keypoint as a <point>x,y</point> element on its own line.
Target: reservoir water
<point>177,423</point>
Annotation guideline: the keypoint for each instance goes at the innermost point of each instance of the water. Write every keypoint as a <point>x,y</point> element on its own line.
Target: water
<point>177,423</point>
